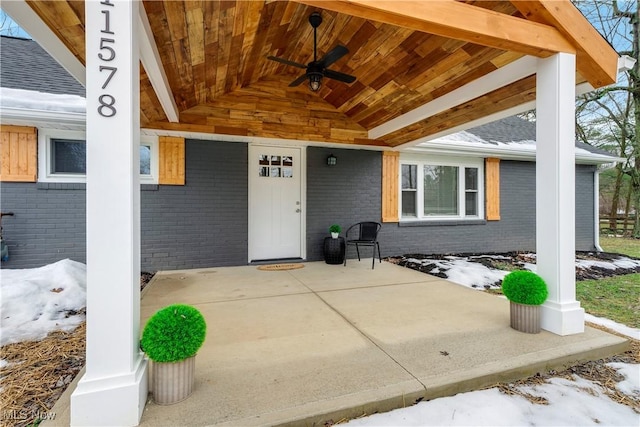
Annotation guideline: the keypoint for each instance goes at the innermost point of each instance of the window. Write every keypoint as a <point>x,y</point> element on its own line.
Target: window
<point>409,189</point>
<point>62,157</point>
<point>68,156</point>
<point>441,188</point>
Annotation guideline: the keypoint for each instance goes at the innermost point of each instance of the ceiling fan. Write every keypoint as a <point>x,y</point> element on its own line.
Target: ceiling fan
<point>316,70</point>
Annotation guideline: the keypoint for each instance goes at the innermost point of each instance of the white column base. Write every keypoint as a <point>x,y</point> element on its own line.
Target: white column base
<point>562,318</point>
<point>111,401</point>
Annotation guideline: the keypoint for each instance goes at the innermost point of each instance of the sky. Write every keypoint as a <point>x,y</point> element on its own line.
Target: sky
<point>9,28</point>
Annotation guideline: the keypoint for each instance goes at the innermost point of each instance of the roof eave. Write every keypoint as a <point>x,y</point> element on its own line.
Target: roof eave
<point>524,153</point>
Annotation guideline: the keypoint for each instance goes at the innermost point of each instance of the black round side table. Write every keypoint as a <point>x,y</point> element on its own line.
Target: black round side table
<point>334,250</point>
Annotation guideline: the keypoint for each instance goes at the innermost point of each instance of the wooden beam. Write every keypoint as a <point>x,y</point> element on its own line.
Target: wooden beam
<point>597,61</point>
<point>152,63</point>
<point>504,76</point>
<point>498,100</point>
<point>188,128</point>
<point>461,21</point>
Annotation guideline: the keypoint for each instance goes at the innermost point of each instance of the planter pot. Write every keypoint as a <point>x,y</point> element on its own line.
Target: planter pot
<point>525,318</point>
<point>334,250</point>
<point>334,235</point>
<point>172,382</point>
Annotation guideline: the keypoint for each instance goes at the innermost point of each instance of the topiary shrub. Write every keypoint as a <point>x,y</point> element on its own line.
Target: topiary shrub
<point>524,287</point>
<point>173,333</point>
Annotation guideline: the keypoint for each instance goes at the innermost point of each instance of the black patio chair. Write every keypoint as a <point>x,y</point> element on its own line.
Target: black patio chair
<point>367,236</point>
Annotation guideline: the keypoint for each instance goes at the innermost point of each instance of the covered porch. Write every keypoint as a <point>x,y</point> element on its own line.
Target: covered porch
<point>200,70</point>
<point>327,342</point>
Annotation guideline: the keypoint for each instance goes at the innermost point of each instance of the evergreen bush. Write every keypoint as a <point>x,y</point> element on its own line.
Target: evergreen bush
<point>173,333</point>
<point>525,287</point>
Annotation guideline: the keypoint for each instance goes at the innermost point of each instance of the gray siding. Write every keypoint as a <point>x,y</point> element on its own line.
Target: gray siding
<point>349,192</point>
<point>205,222</point>
<point>343,194</point>
<point>585,215</point>
<point>201,224</point>
<point>49,223</point>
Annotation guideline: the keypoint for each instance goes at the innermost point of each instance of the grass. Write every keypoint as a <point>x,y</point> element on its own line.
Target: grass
<point>616,298</point>
<point>621,245</point>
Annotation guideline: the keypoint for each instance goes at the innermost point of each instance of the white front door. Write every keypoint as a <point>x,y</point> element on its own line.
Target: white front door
<point>275,203</point>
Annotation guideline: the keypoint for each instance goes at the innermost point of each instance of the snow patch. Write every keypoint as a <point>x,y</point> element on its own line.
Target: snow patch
<point>570,403</point>
<point>36,301</point>
<point>631,384</point>
<point>462,136</point>
<point>33,100</point>
<point>614,326</point>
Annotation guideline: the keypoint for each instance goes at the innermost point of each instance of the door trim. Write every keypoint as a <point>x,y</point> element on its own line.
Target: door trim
<point>303,195</point>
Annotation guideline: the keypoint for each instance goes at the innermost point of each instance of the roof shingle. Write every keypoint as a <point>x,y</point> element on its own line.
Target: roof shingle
<point>25,65</point>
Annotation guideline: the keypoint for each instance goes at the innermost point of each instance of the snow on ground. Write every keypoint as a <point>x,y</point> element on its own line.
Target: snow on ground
<point>36,301</point>
<point>476,271</point>
<point>614,326</point>
<point>621,262</point>
<point>570,403</point>
<point>464,272</point>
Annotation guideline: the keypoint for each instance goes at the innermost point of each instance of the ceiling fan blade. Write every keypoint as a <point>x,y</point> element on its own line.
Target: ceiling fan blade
<point>287,62</point>
<point>337,75</point>
<point>298,81</point>
<point>333,55</point>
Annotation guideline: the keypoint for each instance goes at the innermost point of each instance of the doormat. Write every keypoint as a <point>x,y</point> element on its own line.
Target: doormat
<point>280,267</point>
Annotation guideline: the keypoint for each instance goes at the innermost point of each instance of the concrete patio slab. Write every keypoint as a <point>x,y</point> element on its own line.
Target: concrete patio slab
<point>448,352</point>
<point>324,342</point>
<point>322,277</point>
<point>219,284</point>
<point>277,353</point>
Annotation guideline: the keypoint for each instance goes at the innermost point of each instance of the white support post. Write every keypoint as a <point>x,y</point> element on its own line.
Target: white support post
<point>555,192</point>
<point>113,390</point>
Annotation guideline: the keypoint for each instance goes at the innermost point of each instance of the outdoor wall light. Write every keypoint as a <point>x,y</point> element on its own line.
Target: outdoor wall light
<point>332,160</point>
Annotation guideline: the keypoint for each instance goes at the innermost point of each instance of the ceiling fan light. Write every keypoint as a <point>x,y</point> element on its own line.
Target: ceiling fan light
<point>315,82</point>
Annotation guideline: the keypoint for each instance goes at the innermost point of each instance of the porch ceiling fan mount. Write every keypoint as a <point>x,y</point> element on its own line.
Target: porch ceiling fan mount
<point>316,70</point>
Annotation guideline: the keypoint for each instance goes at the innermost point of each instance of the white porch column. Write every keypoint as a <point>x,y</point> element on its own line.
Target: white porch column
<point>113,390</point>
<point>555,192</point>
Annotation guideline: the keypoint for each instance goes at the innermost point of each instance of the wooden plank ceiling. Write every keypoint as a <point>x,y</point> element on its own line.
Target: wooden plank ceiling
<point>214,54</point>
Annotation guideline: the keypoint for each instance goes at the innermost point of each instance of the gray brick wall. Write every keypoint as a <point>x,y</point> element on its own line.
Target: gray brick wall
<point>201,224</point>
<point>49,223</point>
<point>204,223</point>
<point>348,193</point>
<point>343,194</point>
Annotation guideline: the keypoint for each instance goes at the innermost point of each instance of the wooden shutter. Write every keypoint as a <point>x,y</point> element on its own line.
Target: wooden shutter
<point>390,186</point>
<point>171,160</point>
<point>18,154</point>
<point>492,189</point>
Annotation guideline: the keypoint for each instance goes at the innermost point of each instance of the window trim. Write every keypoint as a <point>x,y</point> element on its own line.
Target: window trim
<point>461,163</point>
<point>45,151</point>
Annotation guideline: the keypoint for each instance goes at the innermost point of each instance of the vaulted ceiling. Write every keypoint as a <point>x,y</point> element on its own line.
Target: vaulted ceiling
<point>214,54</point>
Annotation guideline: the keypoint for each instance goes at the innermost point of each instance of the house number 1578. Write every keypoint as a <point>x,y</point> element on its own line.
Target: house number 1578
<point>106,54</point>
